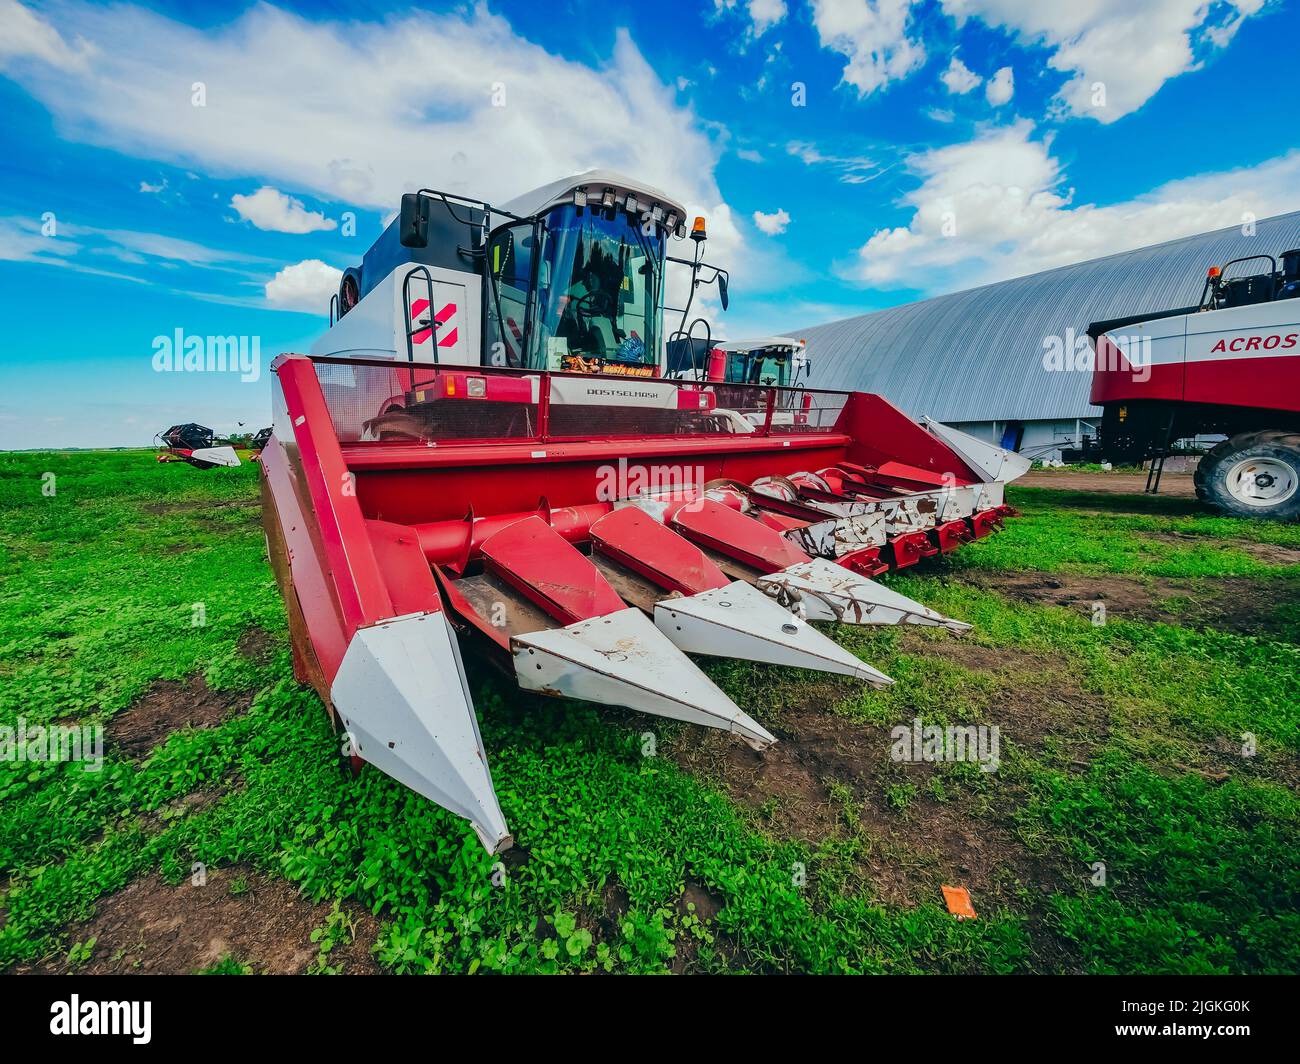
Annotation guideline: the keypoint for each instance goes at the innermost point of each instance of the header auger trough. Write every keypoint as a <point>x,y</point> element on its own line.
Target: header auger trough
<point>588,532</point>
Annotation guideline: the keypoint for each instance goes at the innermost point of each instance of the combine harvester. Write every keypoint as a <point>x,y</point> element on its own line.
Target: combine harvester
<point>482,450</point>
<point>1227,365</point>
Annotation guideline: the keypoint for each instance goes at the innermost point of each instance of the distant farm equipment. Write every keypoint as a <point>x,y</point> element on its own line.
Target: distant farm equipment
<point>196,445</point>
<point>1230,365</point>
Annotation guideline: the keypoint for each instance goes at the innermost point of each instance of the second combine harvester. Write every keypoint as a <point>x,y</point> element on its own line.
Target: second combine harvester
<point>482,451</point>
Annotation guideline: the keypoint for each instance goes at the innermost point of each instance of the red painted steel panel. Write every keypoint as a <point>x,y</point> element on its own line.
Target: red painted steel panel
<point>404,495</point>
<point>1164,381</point>
<point>454,543</point>
<point>910,548</point>
<point>406,572</point>
<point>910,477</point>
<point>312,581</point>
<point>950,535</point>
<point>882,433</point>
<point>347,554</point>
<point>1258,382</point>
<point>538,562</point>
<point>635,539</point>
<point>781,522</point>
<point>728,532</point>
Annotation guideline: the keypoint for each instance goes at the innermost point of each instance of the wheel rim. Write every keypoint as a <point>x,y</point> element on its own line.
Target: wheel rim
<point>1262,481</point>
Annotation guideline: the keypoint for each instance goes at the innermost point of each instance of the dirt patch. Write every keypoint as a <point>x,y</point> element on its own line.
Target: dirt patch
<point>707,904</point>
<point>830,777</point>
<point>1245,605</point>
<point>166,707</point>
<point>191,804</point>
<point>1039,707</point>
<point>155,929</point>
<point>1269,553</point>
<point>181,548</point>
<point>1178,485</point>
<point>258,645</point>
<point>178,506</point>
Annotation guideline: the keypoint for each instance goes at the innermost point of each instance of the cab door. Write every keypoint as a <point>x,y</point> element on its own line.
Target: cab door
<point>510,262</point>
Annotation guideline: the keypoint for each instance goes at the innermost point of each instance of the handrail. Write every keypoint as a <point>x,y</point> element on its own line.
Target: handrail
<point>522,371</point>
<point>411,330</point>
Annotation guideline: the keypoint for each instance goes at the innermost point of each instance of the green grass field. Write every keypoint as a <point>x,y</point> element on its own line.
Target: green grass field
<point>1125,831</point>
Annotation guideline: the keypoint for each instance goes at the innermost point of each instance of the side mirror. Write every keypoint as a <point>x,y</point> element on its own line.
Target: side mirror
<point>413,228</point>
<point>722,290</point>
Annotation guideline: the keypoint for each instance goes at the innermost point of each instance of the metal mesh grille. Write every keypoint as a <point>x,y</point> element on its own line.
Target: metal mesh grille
<point>382,401</point>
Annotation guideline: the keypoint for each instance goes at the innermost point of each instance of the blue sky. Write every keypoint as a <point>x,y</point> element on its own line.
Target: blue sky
<point>849,155</point>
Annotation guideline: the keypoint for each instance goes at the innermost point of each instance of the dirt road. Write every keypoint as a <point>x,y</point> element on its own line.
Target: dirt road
<point>1178,485</point>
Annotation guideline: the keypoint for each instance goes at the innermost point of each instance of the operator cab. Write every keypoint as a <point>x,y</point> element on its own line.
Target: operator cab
<point>1243,289</point>
<point>771,360</point>
<point>575,282</point>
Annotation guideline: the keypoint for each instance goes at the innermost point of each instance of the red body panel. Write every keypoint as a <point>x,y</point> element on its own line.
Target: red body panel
<point>1268,382</point>
<point>729,532</point>
<point>881,433</point>
<point>1121,382</point>
<point>538,562</point>
<point>510,477</point>
<point>1259,370</point>
<point>633,538</point>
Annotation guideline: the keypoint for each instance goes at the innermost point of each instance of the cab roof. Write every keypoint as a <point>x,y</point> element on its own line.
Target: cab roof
<point>760,342</point>
<point>595,182</point>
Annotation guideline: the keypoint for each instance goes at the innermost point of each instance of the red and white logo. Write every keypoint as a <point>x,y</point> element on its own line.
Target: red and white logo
<point>446,338</point>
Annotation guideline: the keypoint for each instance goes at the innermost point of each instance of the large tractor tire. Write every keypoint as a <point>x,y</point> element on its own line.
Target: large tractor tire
<point>1254,474</point>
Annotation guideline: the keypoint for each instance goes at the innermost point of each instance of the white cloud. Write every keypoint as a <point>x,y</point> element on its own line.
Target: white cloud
<point>852,169</point>
<point>153,189</point>
<point>21,240</point>
<point>270,209</point>
<point>1129,49</point>
<point>305,286</point>
<point>27,36</point>
<point>873,35</point>
<point>993,208</point>
<point>357,136</point>
<point>24,240</point>
<point>763,14</point>
<point>365,132</point>
<point>1001,87</point>
<point>940,114</point>
<point>958,79</point>
<point>772,224</point>
<point>749,155</point>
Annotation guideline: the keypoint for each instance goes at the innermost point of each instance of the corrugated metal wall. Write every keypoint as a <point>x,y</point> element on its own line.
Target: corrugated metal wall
<point>978,355</point>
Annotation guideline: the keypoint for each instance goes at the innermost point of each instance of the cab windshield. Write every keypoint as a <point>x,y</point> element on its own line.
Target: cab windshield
<point>754,367</point>
<point>597,292</point>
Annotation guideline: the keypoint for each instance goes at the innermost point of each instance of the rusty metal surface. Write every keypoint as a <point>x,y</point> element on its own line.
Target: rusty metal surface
<point>820,590</point>
<point>624,660</point>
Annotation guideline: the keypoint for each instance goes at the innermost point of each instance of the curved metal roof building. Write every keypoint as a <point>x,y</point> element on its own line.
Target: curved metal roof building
<point>977,356</point>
